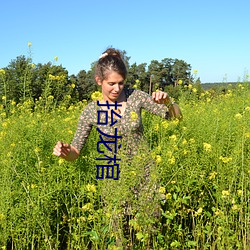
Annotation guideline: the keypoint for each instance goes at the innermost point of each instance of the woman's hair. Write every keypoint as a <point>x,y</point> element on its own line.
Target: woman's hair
<point>110,60</point>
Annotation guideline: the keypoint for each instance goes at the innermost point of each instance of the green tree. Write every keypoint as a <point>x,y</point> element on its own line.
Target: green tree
<point>18,79</point>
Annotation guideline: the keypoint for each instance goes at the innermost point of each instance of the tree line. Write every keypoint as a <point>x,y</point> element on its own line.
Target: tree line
<point>22,79</point>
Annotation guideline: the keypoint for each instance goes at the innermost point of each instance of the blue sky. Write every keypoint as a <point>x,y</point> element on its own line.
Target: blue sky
<point>212,36</point>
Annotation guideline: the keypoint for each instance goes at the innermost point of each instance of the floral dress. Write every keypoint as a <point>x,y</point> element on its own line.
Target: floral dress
<point>138,193</point>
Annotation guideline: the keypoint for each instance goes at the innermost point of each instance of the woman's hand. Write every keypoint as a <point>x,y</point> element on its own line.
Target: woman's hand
<point>65,151</point>
<point>161,97</point>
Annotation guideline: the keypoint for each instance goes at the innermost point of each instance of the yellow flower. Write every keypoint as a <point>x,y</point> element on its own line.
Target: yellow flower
<point>238,116</point>
<point>158,159</point>
<point>168,196</point>
<point>212,175</point>
<point>225,193</point>
<point>37,149</point>
<point>180,82</point>
<point>225,159</point>
<point>247,135</point>
<point>195,71</point>
<point>137,81</point>
<point>207,147</point>
<point>96,96</point>
<point>156,127</point>
<point>194,90</point>
<point>133,116</point>
<point>218,212</point>
<point>239,192</point>
<point>135,86</point>
<point>235,207</point>
<point>246,108</point>
<point>164,124</point>
<point>133,173</point>
<point>171,160</point>
<point>198,212</point>
<point>191,140</point>
<point>50,97</point>
<point>29,44</point>
<point>2,217</point>
<point>56,58</point>
<point>87,207</point>
<point>2,72</point>
<point>173,137</point>
<point>91,188</point>
<point>61,161</point>
<point>51,77</point>
<point>162,190</point>
<point>190,86</point>
<point>73,85</point>
<point>3,97</point>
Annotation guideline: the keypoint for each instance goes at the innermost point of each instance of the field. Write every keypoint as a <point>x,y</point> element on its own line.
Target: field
<point>202,168</point>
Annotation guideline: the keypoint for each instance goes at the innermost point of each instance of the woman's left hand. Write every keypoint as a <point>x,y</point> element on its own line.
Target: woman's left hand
<point>161,97</point>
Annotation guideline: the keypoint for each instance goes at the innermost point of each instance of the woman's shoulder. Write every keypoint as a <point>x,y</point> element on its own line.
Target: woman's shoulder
<point>135,93</point>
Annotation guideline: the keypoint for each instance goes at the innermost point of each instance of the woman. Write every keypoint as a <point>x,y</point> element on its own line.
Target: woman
<point>110,74</point>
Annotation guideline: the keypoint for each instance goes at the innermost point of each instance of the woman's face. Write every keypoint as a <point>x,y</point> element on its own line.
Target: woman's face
<point>112,86</point>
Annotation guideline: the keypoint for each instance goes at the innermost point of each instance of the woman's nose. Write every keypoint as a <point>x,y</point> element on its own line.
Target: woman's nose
<point>116,87</point>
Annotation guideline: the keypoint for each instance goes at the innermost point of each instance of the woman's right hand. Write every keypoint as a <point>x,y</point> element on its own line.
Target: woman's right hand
<point>61,149</point>
<point>66,151</point>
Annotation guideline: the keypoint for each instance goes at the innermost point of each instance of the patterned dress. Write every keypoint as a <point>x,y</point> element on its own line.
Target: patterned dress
<point>137,193</point>
<point>129,126</point>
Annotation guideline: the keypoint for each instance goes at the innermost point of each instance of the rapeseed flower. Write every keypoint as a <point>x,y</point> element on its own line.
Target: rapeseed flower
<point>156,127</point>
<point>212,175</point>
<point>225,159</point>
<point>173,137</point>
<point>171,160</point>
<point>235,207</point>
<point>207,147</point>
<point>198,212</point>
<point>164,124</point>
<point>96,96</point>
<point>168,196</point>
<point>133,116</point>
<point>238,116</point>
<point>225,193</point>
<point>91,188</point>
<point>162,190</point>
<point>87,207</point>
<point>239,192</point>
<point>56,58</point>
<point>158,159</point>
<point>2,72</point>
<point>180,82</point>
<point>2,217</point>
<point>29,44</point>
